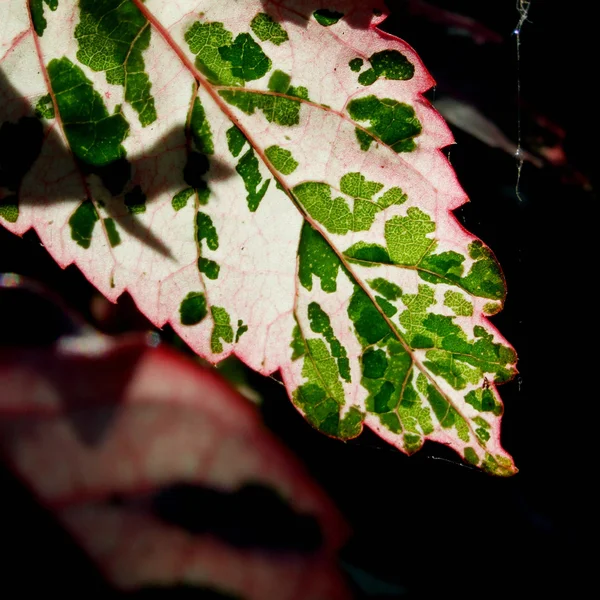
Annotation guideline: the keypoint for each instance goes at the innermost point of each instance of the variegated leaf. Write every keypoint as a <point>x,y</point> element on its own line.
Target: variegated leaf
<point>267,177</point>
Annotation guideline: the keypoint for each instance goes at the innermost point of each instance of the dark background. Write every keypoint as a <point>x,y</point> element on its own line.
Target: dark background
<point>428,525</point>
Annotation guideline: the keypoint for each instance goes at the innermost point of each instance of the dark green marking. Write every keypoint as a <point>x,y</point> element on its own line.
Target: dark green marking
<point>112,36</point>
<point>248,61</point>
<point>327,17</point>
<point>386,288</point>
<point>364,139</point>
<point>317,258</point>
<point>279,82</point>
<point>241,330</point>
<point>247,168</point>
<point>44,107</point>
<point>356,64</point>
<point>200,129</point>
<point>82,223</point>
<point>367,77</point>
<point>209,267</point>
<point>36,8</point>
<point>370,255</point>
<point>192,309</point>
<point>235,140</point>
<point>389,310</point>
<point>267,29</point>
<point>368,321</point>
<point>112,232</point>
<point>297,343</point>
<point>205,230</point>
<point>394,123</point>
<point>320,323</point>
<point>389,64</point>
<point>374,363</point>
<point>483,400</point>
<point>276,109</point>
<point>205,40</point>
<point>281,159</point>
<point>135,201</point>
<point>94,136</point>
<point>222,329</point>
<point>180,199</point>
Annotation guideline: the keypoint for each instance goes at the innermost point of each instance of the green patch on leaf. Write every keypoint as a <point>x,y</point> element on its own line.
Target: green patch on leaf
<point>36,8</point>
<point>386,288</point>
<point>205,230</point>
<point>389,310</point>
<point>135,201</point>
<point>222,329</point>
<point>247,168</point>
<point>209,267</point>
<point>241,330</point>
<point>484,400</point>
<point>458,303</point>
<point>471,456</point>
<point>327,17</point>
<point>44,108</point>
<point>374,364</point>
<point>498,465</point>
<point>334,213</point>
<point>114,239</point>
<point>180,199</point>
<point>317,258</point>
<point>82,223</point>
<point>267,29</point>
<point>320,323</point>
<point>446,414</point>
<point>369,255</point>
<point>192,309</point>
<point>322,396</point>
<point>393,123</point>
<point>356,186</point>
<point>406,237</point>
<point>389,64</point>
<point>235,140</point>
<point>356,64</point>
<point>9,208</point>
<point>205,41</point>
<point>94,136</point>
<point>112,37</point>
<point>297,343</point>
<point>364,139</point>
<point>281,159</point>
<point>279,82</point>
<point>200,129</point>
<point>248,61</point>
<point>277,109</point>
<point>393,196</point>
<point>368,321</point>
<point>492,308</point>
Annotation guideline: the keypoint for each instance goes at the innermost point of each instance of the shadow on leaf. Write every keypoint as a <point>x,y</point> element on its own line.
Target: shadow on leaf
<point>36,167</point>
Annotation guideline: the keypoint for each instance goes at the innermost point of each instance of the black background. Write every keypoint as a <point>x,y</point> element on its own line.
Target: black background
<point>428,524</point>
